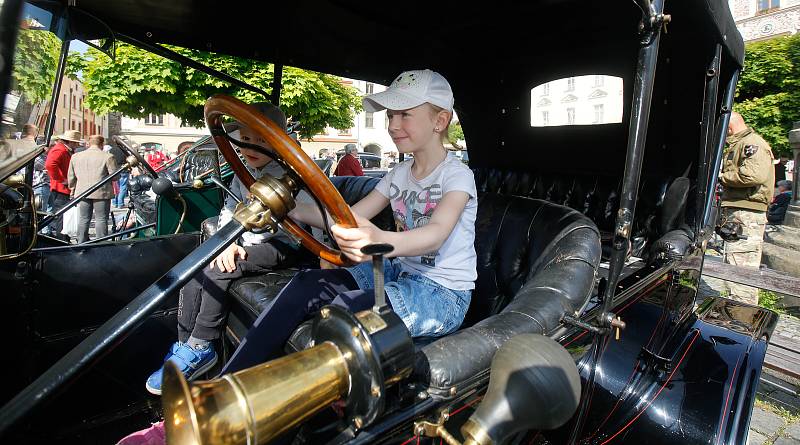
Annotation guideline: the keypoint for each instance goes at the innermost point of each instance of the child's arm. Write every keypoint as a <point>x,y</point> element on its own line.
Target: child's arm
<point>415,242</point>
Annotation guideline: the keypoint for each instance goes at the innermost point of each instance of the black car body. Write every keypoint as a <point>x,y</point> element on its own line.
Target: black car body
<point>578,227</point>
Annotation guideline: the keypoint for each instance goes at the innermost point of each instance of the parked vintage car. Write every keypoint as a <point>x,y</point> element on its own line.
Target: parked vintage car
<point>584,325</point>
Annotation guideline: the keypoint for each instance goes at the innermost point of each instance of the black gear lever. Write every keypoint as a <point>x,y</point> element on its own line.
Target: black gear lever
<point>377,251</point>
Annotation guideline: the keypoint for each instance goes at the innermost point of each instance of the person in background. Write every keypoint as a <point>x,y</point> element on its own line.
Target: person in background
<point>349,165</point>
<point>57,166</point>
<point>156,158</point>
<point>85,170</point>
<point>118,201</point>
<point>748,179</point>
<point>776,212</point>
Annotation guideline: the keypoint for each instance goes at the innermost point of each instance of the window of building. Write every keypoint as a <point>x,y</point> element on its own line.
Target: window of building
<point>73,102</point>
<point>71,125</point>
<point>154,119</point>
<point>768,5</point>
<point>79,127</point>
<point>64,123</point>
<point>369,87</point>
<point>64,104</point>
<point>598,114</point>
<point>546,89</point>
<point>346,132</point>
<point>589,99</point>
<point>368,119</point>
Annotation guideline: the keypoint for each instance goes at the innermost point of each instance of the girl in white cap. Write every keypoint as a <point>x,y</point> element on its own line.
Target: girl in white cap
<point>432,270</point>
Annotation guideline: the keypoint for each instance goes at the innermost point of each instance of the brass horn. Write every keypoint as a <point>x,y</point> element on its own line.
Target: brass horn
<point>355,358</point>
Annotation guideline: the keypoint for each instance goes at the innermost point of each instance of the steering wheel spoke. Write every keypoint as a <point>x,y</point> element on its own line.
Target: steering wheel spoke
<point>278,194</point>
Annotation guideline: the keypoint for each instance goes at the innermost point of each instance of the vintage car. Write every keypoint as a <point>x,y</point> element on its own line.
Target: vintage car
<point>584,325</point>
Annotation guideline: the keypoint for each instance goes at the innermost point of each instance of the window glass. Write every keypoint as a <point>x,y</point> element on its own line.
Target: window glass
<point>578,100</point>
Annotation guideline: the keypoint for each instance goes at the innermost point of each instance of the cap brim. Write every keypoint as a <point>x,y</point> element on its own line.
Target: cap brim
<point>390,100</point>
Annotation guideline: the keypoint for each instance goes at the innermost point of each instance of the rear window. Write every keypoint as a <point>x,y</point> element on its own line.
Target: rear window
<point>595,99</point>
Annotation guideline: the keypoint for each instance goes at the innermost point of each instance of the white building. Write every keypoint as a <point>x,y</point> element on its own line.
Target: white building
<point>581,100</point>
<point>763,19</point>
<point>368,130</point>
<point>161,131</point>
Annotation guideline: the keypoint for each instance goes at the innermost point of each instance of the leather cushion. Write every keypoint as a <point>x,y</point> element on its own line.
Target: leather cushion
<point>536,262</point>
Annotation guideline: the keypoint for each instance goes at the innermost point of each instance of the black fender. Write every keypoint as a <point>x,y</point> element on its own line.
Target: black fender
<point>693,381</point>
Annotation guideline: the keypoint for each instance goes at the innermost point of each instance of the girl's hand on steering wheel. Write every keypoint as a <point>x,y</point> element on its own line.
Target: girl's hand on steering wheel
<point>352,240</point>
<point>226,261</point>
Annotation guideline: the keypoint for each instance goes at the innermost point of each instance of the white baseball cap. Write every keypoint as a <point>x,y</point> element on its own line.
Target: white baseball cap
<point>412,89</point>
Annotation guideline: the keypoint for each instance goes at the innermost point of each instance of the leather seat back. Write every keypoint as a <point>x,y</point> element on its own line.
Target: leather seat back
<point>536,262</point>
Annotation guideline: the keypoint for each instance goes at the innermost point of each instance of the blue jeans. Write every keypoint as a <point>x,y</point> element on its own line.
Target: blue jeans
<point>427,308</point>
<point>119,200</point>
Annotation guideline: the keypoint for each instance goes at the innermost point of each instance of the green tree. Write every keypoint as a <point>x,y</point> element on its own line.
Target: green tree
<point>768,94</point>
<point>35,61</point>
<point>137,83</point>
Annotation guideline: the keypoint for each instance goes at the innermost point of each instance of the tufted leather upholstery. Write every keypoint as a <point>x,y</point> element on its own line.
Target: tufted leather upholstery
<point>595,196</point>
<point>536,261</point>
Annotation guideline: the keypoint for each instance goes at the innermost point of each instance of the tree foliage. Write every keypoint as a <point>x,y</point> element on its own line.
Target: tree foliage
<point>137,83</point>
<point>768,94</point>
<point>35,63</point>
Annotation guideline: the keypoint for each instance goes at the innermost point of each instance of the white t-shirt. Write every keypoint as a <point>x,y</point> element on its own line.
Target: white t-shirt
<point>413,202</point>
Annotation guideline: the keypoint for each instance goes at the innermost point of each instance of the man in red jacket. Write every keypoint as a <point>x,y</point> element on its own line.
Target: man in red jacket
<point>57,165</point>
<point>349,165</point>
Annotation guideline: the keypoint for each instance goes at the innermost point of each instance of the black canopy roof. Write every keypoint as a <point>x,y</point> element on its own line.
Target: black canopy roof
<point>375,41</point>
<point>493,53</point>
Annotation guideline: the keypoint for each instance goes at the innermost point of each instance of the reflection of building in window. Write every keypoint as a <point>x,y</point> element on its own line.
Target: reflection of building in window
<point>368,119</point>
<point>154,119</point>
<point>598,114</point>
<point>577,107</point>
<point>766,5</point>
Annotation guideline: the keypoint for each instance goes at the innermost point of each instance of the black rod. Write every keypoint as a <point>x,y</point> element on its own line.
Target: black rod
<point>183,60</point>
<point>277,80</point>
<point>49,128</point>
<point>48,219</point>
<point>120,233</point>
<point>719,143</point>
<point>652,21</point>
<point>707,132</point>
<point>116,329</point>
<point>637,137</point>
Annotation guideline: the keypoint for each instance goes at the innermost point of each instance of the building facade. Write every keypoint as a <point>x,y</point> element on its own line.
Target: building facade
<point>764,19</point>
<point>72,114</point>
<point>163,132</point>
<point>368,130</point>
<point>577,100</point>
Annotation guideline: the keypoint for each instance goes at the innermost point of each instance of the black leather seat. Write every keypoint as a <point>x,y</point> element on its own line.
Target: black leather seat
<point>660,209</point>
<point>536,262</point>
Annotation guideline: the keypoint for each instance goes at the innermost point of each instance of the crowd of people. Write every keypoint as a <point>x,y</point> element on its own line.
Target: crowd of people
<point>70,166</point>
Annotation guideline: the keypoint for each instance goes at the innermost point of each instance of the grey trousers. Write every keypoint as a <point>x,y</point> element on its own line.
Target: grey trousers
<point>101,207</point>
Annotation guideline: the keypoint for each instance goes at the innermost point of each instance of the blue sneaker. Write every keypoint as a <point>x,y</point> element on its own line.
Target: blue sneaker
<point>191,362</point>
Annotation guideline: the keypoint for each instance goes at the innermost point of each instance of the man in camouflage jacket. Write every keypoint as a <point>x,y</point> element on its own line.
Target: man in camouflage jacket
<point>748,178</point>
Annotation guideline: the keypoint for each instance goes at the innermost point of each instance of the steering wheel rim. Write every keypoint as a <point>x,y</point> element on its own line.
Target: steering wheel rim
<point>303,166</point>
<point>147,167</point>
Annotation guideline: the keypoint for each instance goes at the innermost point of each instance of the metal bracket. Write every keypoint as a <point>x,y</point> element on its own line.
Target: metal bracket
<point>602,327</point>
<point>424,428</point>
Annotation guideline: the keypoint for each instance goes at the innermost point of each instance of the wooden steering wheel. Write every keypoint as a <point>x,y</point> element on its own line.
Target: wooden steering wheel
<point>305,169</point>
